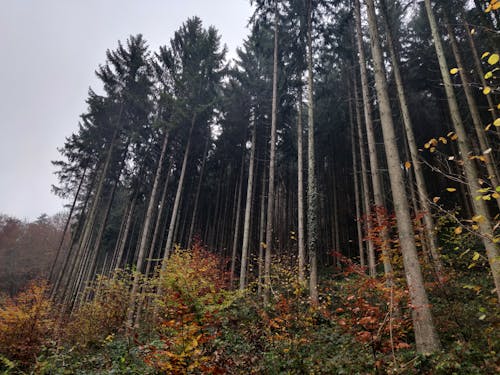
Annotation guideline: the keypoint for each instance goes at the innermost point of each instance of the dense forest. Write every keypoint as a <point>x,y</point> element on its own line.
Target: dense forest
<point>326,202</point>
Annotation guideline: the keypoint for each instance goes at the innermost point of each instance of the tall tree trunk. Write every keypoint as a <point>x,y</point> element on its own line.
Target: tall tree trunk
<point>180,186</point>
<point>156,232</point>
<point>359,230</point>
<point>197,195</point>
<point>262,231</point>
<point>364,179</point>
<point>312,188</point>
<point>237,223</point>
<point>425,332</point>
<point>248,206</point>
<point>63,236</point>
<point>84,242</point>
<point>372,150</point>
<point>429,227</point>
<point>476,118</point>
<point>92,266</point>
<point>471,174</point>
<point>122,240</point>
<point>272,166</point>
<point>300,193</point>
<point>146,230</point>
<point>66,226</point>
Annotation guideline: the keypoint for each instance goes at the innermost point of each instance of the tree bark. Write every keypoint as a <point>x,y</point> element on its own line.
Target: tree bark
<point>272,166</point>
<point>248,206</point>
<point>300,193</point>
<point>423,196</point>
<point>359,230</point>
<point>312,188</point>
<point>197,195</point>
<point>236,232</point>
<point>365,184</point>
<point>372,150</point>
<point>425,332</point>
<point>180,186</point>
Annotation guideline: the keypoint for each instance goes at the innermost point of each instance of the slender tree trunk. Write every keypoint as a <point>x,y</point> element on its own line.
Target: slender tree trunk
<point>237,223</point>
<point>156,232</point>
<point>66,226</point>
<point>300,193</point>
<point>180,186</point>
<point>197,195</point>
<point>63,236</point>
<point>423,195</point>
<point>312,188</point>
<point>476,118</point>
<point>122,241</point>
<point>272,166</point>
<point>248,206</point>
<point>471,174</point>
<point>372,150</point>
<point>262,232</point>
<point>84,243</point>
<point>425,332</point>
<point>364,180</point>
<point>92,266</point>
<point>146,230</point>
<point>359,230</point>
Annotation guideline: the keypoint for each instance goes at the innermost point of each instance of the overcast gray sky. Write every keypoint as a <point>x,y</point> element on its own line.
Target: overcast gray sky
<point>49,51</point>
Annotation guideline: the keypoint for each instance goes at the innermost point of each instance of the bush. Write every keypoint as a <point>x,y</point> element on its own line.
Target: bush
<point>26,323</point>
<point>104,314</point>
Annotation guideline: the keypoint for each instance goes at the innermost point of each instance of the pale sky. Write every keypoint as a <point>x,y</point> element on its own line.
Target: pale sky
<point>49,50</point>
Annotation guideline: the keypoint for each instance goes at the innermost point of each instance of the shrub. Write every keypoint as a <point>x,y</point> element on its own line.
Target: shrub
<point>104,314</point>
<point>26,323</point>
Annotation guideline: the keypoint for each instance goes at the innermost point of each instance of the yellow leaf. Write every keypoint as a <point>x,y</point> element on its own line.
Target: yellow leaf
<point>473,31</point>
<point>436,199</point>
<point>433,142</point>
<point>458,230</point>
<point>488,75</point>
<point>495,195</point>
<point>487,127</point>
<point>493,59</point>
<point>443,140</point>
<point>488,9</point>
<point>454,71</point>
<point>498,105</point>
<point>451,190</point>
<point>486,90</point>
<point>476,256</point>
<point>478,218</point>
<point>407,165</point>
<point>454,137</point>
<point>432,149</point>
<point>475,226</point>
<point>495,6</point>
<point>485,55</point>
<point>497,122</point>
<point>427,145</point>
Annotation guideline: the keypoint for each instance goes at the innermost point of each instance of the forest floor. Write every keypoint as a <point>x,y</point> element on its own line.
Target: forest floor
<point>360,326</point>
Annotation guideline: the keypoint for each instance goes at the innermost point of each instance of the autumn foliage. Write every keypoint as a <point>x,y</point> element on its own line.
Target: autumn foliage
<point>26,323</point>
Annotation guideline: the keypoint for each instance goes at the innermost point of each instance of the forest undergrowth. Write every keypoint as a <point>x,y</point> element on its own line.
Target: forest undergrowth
<point>200,324</point>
